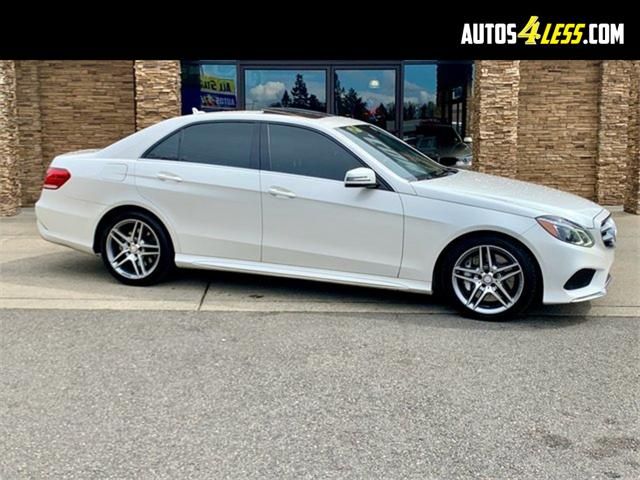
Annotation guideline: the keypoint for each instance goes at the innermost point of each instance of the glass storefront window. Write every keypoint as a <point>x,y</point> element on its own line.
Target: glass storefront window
<point>367,94</point>
<point>305,89</point>
<point>209,86</point>
<point>430,108</point>
<point>434,110</point>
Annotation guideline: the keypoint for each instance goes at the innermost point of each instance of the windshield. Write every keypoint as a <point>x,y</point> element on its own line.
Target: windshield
<point>394,154</point>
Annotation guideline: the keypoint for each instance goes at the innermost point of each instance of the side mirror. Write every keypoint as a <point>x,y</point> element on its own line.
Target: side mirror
<point>467,140</point>
<point>360,177</point>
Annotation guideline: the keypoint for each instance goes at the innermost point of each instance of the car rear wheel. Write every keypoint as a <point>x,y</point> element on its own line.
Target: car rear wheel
<point>136,249</point>
<point>489,277</point>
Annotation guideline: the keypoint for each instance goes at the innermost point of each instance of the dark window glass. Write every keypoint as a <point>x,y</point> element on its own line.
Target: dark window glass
<point>166,149</point>
<point>303,152</point>
<point>219,143</point>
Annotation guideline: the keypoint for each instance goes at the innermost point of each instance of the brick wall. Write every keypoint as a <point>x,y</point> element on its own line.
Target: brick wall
<point>558,124</point>
<point>9,167</point>
<point>157,91</point>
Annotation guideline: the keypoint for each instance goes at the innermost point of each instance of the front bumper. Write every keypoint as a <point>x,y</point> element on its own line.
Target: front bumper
<point>593,296</point>
<point>559,261</point>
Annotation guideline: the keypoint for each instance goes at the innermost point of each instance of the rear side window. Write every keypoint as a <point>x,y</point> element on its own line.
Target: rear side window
<point>219,143</point>
<point>166,149</point>
<point>302,152</point>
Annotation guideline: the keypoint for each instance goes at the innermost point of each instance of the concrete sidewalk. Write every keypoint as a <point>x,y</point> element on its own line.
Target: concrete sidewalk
<point>38,274</point>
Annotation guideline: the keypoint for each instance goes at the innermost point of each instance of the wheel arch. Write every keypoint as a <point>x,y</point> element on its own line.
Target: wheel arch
<point>477,233</point>
<point>108,215</point>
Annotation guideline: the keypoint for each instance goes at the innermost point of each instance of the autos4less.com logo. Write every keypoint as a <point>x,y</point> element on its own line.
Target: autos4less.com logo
<point>538,33</point>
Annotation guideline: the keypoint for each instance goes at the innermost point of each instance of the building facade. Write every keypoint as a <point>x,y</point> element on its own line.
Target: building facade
<point>572,125</point>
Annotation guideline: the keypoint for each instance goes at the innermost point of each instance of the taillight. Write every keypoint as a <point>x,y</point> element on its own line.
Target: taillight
<point>55,178</point>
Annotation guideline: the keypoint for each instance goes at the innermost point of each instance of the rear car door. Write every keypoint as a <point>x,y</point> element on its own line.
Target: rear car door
<point>310,219</point>
<point>204,179</point>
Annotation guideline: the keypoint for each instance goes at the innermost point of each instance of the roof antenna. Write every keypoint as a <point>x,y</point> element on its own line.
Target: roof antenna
<point>195,111</point>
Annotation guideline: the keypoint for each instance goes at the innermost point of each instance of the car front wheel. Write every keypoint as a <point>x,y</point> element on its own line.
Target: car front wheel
<point>136,249</point>
<point>489,277</point>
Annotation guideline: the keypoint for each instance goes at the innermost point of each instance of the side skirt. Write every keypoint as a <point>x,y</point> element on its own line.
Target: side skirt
<point>277,270</point>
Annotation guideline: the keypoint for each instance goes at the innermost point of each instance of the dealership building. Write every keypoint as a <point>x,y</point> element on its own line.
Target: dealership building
<point>572,125</point>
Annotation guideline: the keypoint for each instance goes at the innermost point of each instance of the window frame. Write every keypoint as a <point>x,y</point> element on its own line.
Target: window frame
<point>254,153</point>
<point>265,153</point>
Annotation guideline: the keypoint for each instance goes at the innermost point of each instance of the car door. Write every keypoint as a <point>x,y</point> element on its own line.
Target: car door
<point>310,219</point>
<point>204,179</point>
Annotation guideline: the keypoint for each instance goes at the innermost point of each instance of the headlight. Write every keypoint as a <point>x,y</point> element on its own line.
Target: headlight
<point>565,230</point>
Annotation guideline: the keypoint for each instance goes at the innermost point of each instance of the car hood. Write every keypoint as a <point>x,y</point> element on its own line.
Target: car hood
<point>506,195</point>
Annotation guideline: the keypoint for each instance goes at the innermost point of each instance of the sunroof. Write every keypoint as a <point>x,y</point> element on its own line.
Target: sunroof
<point>298,112</point>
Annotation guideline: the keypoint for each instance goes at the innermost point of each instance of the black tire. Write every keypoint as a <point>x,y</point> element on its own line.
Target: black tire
<point>467,247</point>
<point>163,264</point>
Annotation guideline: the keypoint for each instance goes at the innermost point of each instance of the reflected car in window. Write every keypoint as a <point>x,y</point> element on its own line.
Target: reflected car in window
<point>441,142</point>
<point>301,194</point>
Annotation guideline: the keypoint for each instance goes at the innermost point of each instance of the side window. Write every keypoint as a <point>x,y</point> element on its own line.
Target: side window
<point>303,152</point>
<point>166,149</point>
<point>218,143</point>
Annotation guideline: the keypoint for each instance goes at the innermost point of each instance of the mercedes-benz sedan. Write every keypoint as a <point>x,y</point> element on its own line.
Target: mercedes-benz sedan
<point>295,194</point>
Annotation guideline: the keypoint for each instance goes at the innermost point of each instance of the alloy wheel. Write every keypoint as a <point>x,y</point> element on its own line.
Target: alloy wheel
<point>487,279</point>
<point>133,249</point>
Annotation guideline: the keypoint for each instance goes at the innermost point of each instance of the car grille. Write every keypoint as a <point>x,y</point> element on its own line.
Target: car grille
<point>609,232</point>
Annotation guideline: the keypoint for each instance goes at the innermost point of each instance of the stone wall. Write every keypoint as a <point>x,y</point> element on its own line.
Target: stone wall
<point>9,166</point>
<point>64,106</point>
<point>632,194</point>
<point>84,104</point>
<point>32,162</point>
<point>157,91</point>
<point>611,160</point>
<point>558,124</point>
<point>495,117</point>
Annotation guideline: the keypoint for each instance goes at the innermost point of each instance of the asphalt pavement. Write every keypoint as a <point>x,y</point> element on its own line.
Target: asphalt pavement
<point>162,394</point>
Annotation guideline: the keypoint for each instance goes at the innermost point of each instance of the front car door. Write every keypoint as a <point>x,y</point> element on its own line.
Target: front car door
<point>204,179</point>
<point>310,219</point>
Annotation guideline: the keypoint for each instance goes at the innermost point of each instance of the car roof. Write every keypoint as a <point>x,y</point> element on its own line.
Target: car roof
<point>134,145</point>
<point>285,115</point>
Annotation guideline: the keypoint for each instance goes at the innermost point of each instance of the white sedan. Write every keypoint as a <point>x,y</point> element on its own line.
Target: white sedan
<point>313,196</point>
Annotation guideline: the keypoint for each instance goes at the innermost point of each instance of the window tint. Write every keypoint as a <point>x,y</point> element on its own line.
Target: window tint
<point>303,152</point>
<point>219,143</point>
<point>166,149</point>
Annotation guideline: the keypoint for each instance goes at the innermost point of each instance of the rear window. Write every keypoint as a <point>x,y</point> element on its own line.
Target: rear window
<point>215,143</point>
<point>219,143</point>
<point>166,149</point>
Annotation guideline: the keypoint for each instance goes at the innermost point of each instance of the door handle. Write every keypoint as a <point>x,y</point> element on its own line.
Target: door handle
<point>281,192</point>
<point>164,176</point>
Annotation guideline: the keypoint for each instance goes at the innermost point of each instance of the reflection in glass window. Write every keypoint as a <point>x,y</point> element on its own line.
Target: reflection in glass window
<point>368,95</point>
<point>420,97</point>
<point>305,89</point>
<point>434,111</point>
<point>208,86</point>
<point>218,87</point>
